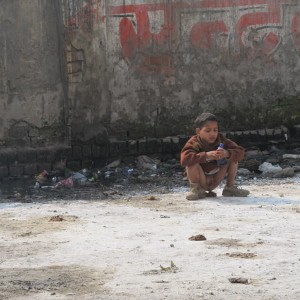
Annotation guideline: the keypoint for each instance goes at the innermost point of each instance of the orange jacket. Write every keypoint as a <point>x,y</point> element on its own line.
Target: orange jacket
<point>194,152</point>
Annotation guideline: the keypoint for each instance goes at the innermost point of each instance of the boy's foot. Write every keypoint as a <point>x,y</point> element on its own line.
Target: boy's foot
<point>210,194</point>
<point>196,193</point>
<point>234,191</point>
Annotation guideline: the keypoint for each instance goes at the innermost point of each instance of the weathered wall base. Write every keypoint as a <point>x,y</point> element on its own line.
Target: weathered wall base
<point>30,161</point>
<point>92,155</point>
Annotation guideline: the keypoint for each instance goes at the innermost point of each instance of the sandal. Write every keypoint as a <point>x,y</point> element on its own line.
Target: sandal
<point>210,194</point>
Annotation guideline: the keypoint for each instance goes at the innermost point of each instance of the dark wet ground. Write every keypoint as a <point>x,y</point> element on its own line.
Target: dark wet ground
<point>125,180</point>
<point>24,190</point>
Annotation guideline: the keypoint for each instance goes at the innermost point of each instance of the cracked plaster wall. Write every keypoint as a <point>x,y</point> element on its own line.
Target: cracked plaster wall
<point>151,66</point>
<point>31,89</point>
<point>145,68</point>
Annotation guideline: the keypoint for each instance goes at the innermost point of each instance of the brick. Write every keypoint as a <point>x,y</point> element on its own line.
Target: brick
<point>100,163</point>
<point>74,165</point>
<point>114,148</point>
<point>117,148</point>
<point>238,133</point>
<point>167,146</point>
<point>153,146</point>
<point>86,151</point>
<point>132,147</point>
<point>100,151</point>
<point>3,172</point>
<point>33,132</point>
<point>19,132</point>
<point>88,164</point>
<point>76,152</point>
<point>45,155</point>
<point>27,156</point>
<point>96,151</point>
<point>141,146</point>
<point>262,132</point>
<point>44,166</point>
<point>8,157</point>
<point>175,145</point>
<point>16,170</point>
<point>62,153</point>
<point>123,149</point>
<point>37,142</point>
<point>30,169</point>
<point>277,131</point>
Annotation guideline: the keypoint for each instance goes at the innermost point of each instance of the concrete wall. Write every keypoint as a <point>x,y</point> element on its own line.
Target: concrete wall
<point>120,77</point>
<point>87,71</point>
<point>144,68</point>
<point>32,97</point>
<point>147,68</point>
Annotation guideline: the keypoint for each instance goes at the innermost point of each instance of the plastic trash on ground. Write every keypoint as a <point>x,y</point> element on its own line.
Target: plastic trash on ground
<point>269,168</point>
<point>68,182</point>
<point>79,178</point>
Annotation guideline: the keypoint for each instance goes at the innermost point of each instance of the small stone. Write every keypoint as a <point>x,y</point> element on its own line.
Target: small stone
<point>198,237</point>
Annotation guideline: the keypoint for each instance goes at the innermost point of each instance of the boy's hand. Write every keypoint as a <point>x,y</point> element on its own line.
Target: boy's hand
<point>211,155</point>
<point>222,153</point>
<point>218,154</point>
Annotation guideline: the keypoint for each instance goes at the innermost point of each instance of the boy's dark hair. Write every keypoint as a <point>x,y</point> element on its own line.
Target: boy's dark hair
<point>203,118</point>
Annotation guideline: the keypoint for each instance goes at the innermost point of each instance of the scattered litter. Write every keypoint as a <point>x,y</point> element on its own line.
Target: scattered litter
<point>241,255</point>
<point>198,237</point>
<point>171,269</point>
<point>42,177</point>
<point>56,219</point>
<point>164,217</point>
<point>240,280</point>
<point>79,178</point>
<point>145,162</point>
<point>25,234</point>
<point>114,164</point>
<point>68,182</point>
<point>152,198</point>
<point>18,195</point>
<point>286,172</point>
<point>291,156</point>
<point>269,168</point>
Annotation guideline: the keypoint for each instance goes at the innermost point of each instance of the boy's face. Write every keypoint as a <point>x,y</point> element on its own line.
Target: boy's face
<point>208,132</point>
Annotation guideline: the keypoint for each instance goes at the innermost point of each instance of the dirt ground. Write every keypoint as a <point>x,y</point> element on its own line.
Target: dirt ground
<point>150,243</point>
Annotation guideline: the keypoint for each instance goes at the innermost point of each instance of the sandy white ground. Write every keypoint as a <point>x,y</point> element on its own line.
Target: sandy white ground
<point>138,247</point>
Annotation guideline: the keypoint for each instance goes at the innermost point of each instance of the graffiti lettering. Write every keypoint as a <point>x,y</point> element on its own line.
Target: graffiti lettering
<point>255,25</point>
<point>260,31</point>
<point>202,33</point>
<point>131,38</point>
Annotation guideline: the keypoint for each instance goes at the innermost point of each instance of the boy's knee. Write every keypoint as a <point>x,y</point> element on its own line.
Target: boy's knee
<point>194,167</point>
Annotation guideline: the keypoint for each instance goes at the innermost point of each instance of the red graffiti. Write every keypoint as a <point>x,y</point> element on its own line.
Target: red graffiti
<point>88,14</point>
<point>257,31</point>
<point>133,39</point>
<point>296,30</point>
<point>265,43</point>
<point>202,33</point>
